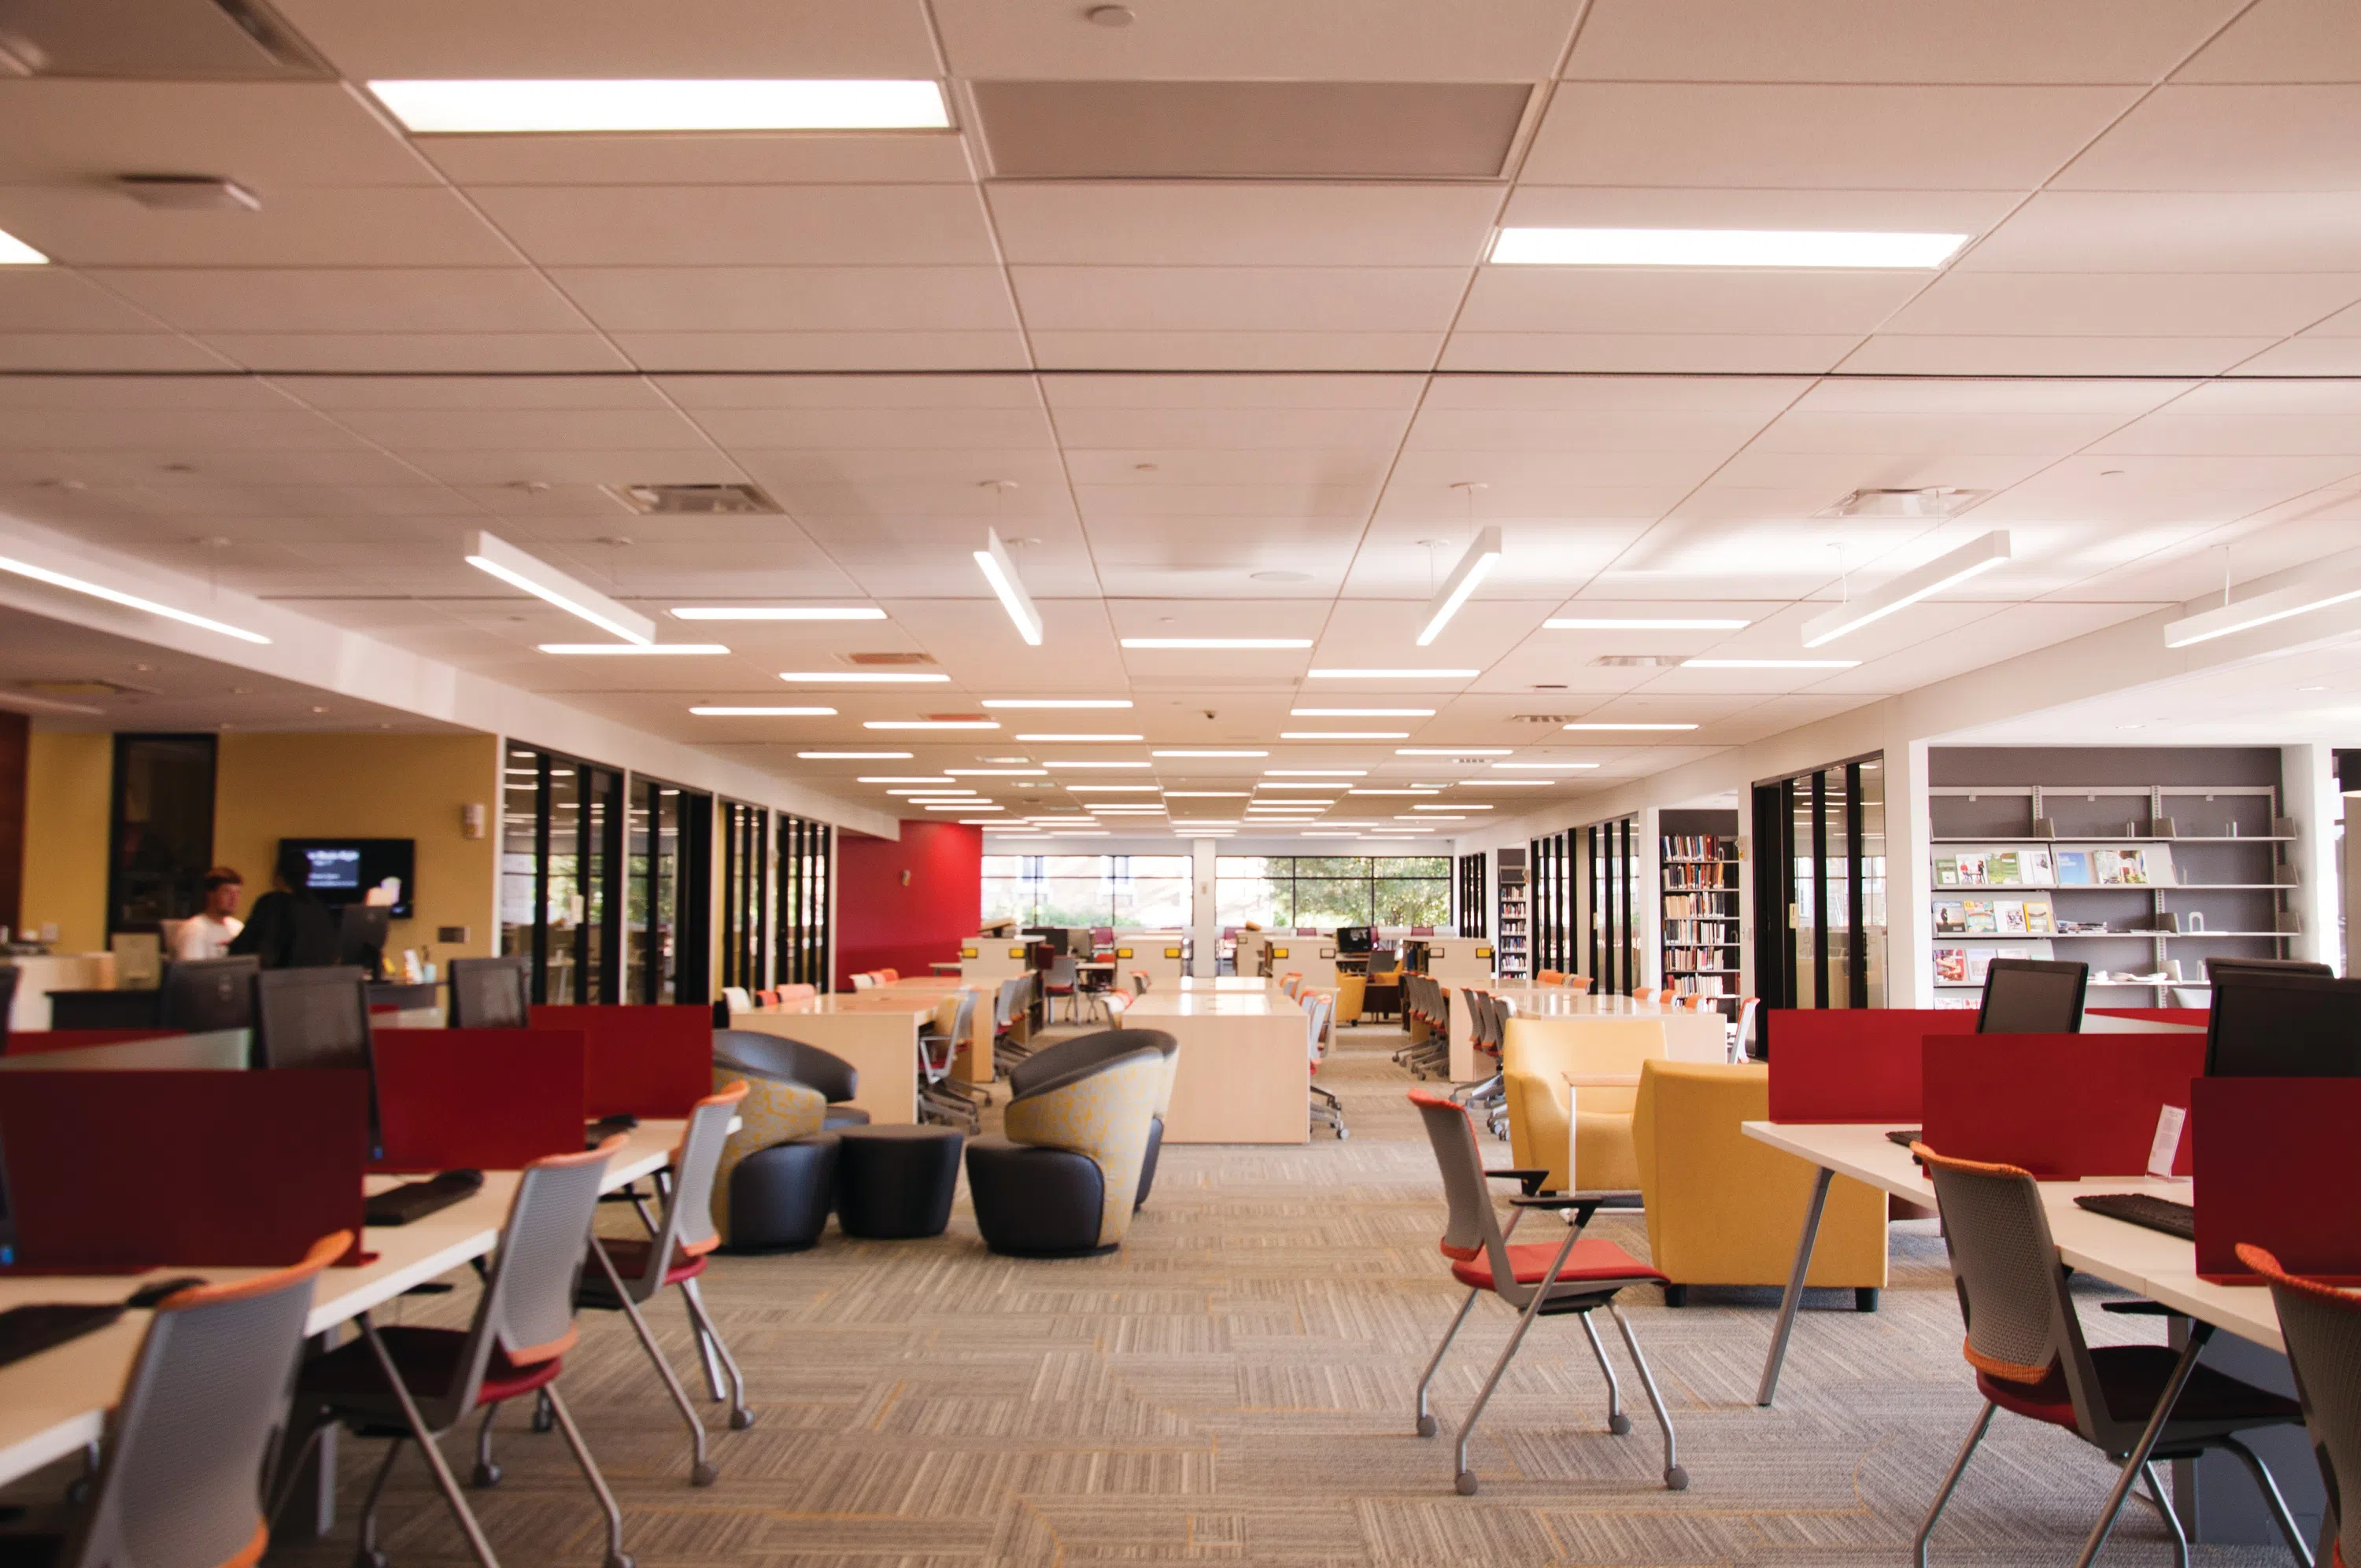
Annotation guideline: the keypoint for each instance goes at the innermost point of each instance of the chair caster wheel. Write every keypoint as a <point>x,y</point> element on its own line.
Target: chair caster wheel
<point>1676,1479</point>
<point>1466,1482</point>
<point>486,1477</point>
<point>542,1420</point>
<point>1342,1134</point>
<point>364,1558</point>
<point>1620,1424</point>
<point>621,1560</point>
<point>1426,1425</point>
<point>704,1474</point>
<point>741,1419</point>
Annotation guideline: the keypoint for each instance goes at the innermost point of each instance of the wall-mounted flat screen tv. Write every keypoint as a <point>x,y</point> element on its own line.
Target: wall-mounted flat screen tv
<point>344,870</point>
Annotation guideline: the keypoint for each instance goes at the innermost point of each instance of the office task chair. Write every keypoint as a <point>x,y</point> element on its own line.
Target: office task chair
<point>888,976</point>
<point>2322,1326</point>
<point>1066,1055</point>
<point>1571,1085</point>
<point>1536,1279</point>
<point>1550,977</point>
<point>1723,1209</point>
<point>414,1384</point>
<point>621,1274</point>
<point>1292,982</point>
<point>736,999</point>
<point>1063,980</point>
<point>776,1185</point>
<point>1061,1183</point>
<point>1139,983</point>
<point>180,1479</point>
<point>1318,1016</point>
<point>1010,1011</point>
<point>864,980</point>
<point>2026,1347</point>
<point>492,994</point>
<point>1745,1045</point>
<point>942,1098</point>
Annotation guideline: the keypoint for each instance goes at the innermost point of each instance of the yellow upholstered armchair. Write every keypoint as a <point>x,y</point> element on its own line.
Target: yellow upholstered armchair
<point>1571,1084</point>
<point>1725,1210</point>
<point>1350,990</point>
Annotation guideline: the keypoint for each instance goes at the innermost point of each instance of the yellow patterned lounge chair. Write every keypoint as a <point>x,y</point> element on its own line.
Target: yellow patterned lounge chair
<point>1061,1182</point>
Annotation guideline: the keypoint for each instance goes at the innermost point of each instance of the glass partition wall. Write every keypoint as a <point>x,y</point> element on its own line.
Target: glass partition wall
<point>745,892</point>
<point>1585,902</point>
<point>1820,887</point>
<point>807,851</point>
<point>561,857</point>
<point>668,871</point>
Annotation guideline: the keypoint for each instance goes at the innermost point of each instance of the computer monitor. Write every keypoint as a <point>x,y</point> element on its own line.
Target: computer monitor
<point>362,930</point>
<point>2284,1026</point>
<point>205,995</point>
<point>1053,935</point>
<point>317,1018</point>
<point>1356,938</point>
<point>7,1001</point>
<point>2033,996</point>
<point>490,993</point>
<point>8,1214</point>
<point>2216,969</point>
<point>344,870</point>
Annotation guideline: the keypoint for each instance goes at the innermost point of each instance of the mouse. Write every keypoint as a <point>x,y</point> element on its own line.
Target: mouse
<point>148,1295</point>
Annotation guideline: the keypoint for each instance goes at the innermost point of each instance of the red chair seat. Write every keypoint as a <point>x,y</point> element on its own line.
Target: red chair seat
<point>1590,1260</point>
<point>631,1261</point>
<point>349,1375</point>
<point>2131,1379</point>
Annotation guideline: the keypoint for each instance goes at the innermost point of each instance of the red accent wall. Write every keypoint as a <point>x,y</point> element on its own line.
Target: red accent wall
<point>880,924</point>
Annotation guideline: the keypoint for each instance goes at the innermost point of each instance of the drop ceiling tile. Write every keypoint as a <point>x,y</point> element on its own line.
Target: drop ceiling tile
<point>127,351</point>
<point>1923,354</point>
<point>2126,305</point>
<point>1943,398</point>
<point>2309,354</point>
<point>1653,353</point>
<point>1673,394</point>
<point>1184,391</point>
<point>1111,502</point>
<point>1810,427</point>
<point>722,225</point>
<point>1584,430</point>
<point>2144,231</point>
<point>449,353</point>
<point>876,428</point>
<point>1214,429</point>
<point>471,392</point>
<point>347,299</point>
<point>1118,350</point>
<point>1303,301</point>
<point>1828,476</point>
<point>1682,301</point>
<point>2174,433</point>
<point>1287,468</point>
<point>69,430</point>
<point>796,158</point>
<point>1394,40</point>
<point>962,472</point>
<point>792,299</point>
<point>63,131</point>
<point>682,466</point>
<point>2229,138</point>
<point>1601,469</point>
<point>299,225</point>
<point>1865,42</point>
<point>476,430</point>
<point>2283,41</point>
<point>620,39</point>
<point>672,353</point>
<point>1537,205</point>
<point>1435,499</point>
<point>1816,137</point>
<point>53,302</point>
<point>1272,223</point>
<point>221,394</point>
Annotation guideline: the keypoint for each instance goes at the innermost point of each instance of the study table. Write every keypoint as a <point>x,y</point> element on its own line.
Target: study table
<point>55,1403</point>
<point>1244,1074</point>
<point>875,1030</point>
<point>972,1064</point>
<point>2149,1263</point>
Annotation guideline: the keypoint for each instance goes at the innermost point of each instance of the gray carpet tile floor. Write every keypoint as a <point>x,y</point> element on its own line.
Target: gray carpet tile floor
<point>1235,1386</point>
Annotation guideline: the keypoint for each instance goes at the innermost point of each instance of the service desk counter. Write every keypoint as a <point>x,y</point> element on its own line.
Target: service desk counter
<point>1244,1071</point>
<point>37,974</point>
<point>876,1031</point>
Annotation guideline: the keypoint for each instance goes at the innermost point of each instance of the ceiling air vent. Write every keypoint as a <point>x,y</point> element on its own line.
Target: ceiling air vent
<point>891,658</point>
<point>1540,718</point>
<point>154,40</point>
<point>93,686</point>
<point>1636,661</point>
<point>1934,501</point>
<point>695,500</point>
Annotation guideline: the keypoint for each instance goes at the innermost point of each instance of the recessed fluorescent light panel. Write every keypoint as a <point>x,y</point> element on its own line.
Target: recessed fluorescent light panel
<point>1072,740</point>
<point>864,677</point>
<point>1063,763</point>
<point>1472,568</point>
<point>497,107</point>
<point>600,650</point>
<point>1394,674</point>
<point>1769,663</point>
<point>1209,753</point>
<point>931,724</point>
<point>1315,773</point>
<point>1360,713</point>
<point>1545,767</point>
<point>1454,751</point>
<point>997,772</point>
<point>1016,702</point>
<point>496,556</point>
<point>1110,789</point>
<point>15,252</point>
<point>2261,609</point>
<point>1642,623</point>
<point>852,756</point>
<point>775,612</point>
<point>763,712</point>
<point>1970,560</point>
<point>1001,573</point>
<point>1217,642</point>
<point>129,601</point>
<point>1204,794</point>
<point>902,778</point>
<point>1344,734</point>
<point>1607,727</point>
<point>1724,247</point>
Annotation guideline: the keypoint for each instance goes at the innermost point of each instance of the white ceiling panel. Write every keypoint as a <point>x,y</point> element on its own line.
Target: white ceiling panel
<point>1566,394</point>
<point>1125,502</point>
<point>126,351</point>
<point>299,225</point>
<point>2175,433</point>
<point>1601,469</point>
<point>1678,300</point>
<point>1937,353</point>
<point>474,430</point>
<point>1279,300</point>
<point>467,392</point>
<point>60,130</point>
<point>1232,392</point>
<point>69,430</point>
<point>1583,430</point>
<point>1181,466</point>
<point>347,299</point>
<point>1868,41</point>
<point>1379,352</point>
<point>1217,429</point>
<point>1539,205</point>
<point>877,429</point>
<point>2218,304</point>
<point>1815,427</point>
<point>52,300</point>
<point>2284,40</point>
<point>2229,138</point>
<point>620,38</point>
<point>2311,355</point>
<point>1665,352</point>
<point>2156,231</point>
<point>1273,224</point>
<point>791,299</point>
<point>658,352</point>
<point>850,391</point>
<point>1816,136</point>
<point>798,158</point>
<point>754,225</point>
<point>453,353</point>
<point>504,466</point>
<point>1828,476</point>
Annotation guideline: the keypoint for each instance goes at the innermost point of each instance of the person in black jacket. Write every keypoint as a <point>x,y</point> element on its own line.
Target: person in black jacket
<point>289,928</point>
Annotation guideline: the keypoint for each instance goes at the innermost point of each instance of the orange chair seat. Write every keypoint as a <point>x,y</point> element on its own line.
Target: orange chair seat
<point>1589,1261</point>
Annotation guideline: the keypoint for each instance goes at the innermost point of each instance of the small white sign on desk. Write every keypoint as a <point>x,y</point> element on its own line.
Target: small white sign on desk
<point>2166,1147</point>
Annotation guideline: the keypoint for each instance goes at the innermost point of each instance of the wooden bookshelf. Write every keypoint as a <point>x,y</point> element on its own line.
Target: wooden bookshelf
<point>1512,938</point>
<point>1702,925</point>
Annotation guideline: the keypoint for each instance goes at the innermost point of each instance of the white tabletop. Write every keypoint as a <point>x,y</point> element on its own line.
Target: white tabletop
<point>54,1403</point>
<point>2161,1268</point>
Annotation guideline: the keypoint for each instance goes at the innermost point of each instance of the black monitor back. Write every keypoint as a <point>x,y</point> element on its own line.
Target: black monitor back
<point>1356,938</point>
<point>7,1211</point>
<point>2284,1026</point>
<point>2216,969</point>
<point>1053,935</point>
<point>205,995</point>
<point>316,1018</point>
<point>2033,996</point>
<point>490,993</point>
<point>362,930</point>
<point>8,1005</point>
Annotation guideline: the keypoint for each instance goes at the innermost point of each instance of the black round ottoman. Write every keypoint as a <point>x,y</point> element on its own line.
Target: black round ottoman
<point>779,1197</point>
<point>896,1181</point>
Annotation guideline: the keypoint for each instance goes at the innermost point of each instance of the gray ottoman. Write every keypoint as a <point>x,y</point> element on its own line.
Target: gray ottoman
<point>896,1181</point>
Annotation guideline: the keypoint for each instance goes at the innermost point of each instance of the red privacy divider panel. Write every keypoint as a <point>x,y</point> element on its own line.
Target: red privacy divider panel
<point>644,1061</point>
<point>33,1042</point>
<point>196,1169</point>
<point>2061,1106</point>
<point>2278,1166</point>
<point>493,1099</point>
<point>1843,1063</point>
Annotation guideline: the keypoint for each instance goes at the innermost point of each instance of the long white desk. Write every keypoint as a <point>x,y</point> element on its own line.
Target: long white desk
<point>54,1404</point>
<point>876,1031</point>
<point>1244,1074</point>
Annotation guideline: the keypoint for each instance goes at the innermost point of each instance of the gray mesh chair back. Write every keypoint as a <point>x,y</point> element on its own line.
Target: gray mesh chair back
<point>1063,972</point>
<point>2012,1288</point>
<point>529,1293</point>
<point>939,1049</point>
<point>687,1229</point>
<point>200,1417</point>
<point>2322,1326</point>
<point>1471,1229</point>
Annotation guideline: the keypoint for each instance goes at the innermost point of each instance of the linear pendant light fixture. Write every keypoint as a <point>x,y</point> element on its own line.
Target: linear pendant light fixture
<point>2262,609</point>
<point>15,252</point>
<point>489,552</point>
<point>129,601</point>
<point>1970,560</point>
<point>685,103</point>
<point>1001,573</point>
<point>1481,557</point>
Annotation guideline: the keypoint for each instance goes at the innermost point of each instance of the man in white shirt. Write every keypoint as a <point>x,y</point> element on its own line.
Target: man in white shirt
<point>207,935</point>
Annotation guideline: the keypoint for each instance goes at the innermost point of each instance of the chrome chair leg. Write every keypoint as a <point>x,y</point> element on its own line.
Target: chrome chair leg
<point>1952,1481</point>
<point>1425,1423</point>
<point>1675,1478</point>
<point>2265,1484</point>
<point>616,1556</point>
<point>369,1551</point>
<point>445,1482</point>
<point>702,1470</point>
<point>487,1475</point>
<point>2163,1505</point>
<point>740,1418</point>
<point>1617,1421</point>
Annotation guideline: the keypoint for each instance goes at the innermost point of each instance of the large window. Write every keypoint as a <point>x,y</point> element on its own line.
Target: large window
<point>561,846</point>
<point>668,876</point>
<point>1328,891</point>
<point>1138,891</point>
<point>745,892</point>
<point>1819,891</point>
<point>804,851</point>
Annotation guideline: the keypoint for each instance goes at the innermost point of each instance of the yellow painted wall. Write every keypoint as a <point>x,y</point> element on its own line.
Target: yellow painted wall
<point>69,780</point>
<point>270,787</point>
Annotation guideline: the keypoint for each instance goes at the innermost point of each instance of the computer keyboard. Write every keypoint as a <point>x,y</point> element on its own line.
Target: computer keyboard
<point>28,1331</point>
<point>606,1127</point>
<point>2140,1208</point>
<point>416,1200</point>
<point>1905,1136</point>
